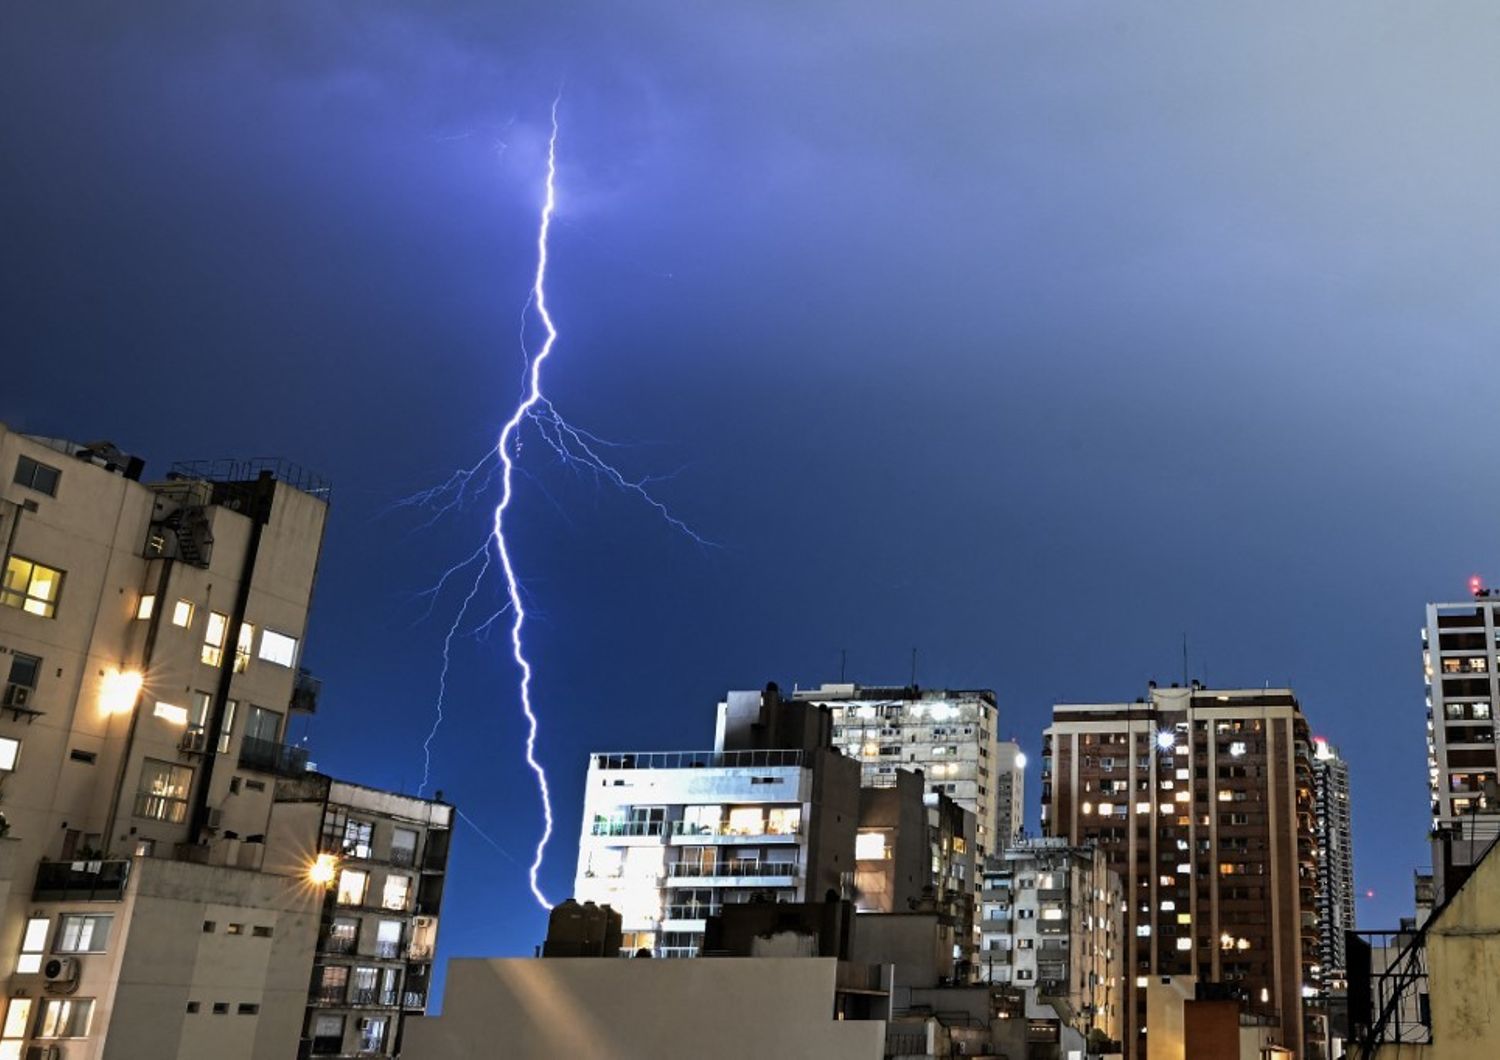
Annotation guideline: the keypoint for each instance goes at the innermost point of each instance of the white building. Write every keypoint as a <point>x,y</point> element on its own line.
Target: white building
<point>1009,774</point>
<point>670,837</point>
<point>152,901</point>
<point>1335,860</point>
<point>949,735</point>
<point>1050,922</point>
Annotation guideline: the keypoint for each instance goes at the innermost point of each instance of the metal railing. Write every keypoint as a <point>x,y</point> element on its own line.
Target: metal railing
<point>725,829</point>
<point>329,995</point>
<point>692,911</point>
<point>269,756</point>
<point>781,869</point>
<point>414,999</point>
<point>338,944</point>
<point>699,759</point>
<point>81,881</point>
<point>388,950</point>
<point>628,828</point>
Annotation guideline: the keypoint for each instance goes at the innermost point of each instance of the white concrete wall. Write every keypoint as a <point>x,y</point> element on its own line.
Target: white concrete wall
<point>610,1009</point>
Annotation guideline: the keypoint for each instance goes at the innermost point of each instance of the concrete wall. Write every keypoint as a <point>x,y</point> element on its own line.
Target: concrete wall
<point>612,1009</point>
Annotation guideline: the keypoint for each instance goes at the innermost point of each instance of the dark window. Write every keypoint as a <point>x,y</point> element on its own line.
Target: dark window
<point>248,1010</point>
<point>192,1006</point>
<point>221,1008</point>
<point>39,477</point>
<point>86,757</point>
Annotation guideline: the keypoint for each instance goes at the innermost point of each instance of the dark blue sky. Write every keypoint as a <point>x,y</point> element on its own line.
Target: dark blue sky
<point>1033,336</point>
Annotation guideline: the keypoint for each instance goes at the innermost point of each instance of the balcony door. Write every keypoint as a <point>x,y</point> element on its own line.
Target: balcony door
<point>263,724</point>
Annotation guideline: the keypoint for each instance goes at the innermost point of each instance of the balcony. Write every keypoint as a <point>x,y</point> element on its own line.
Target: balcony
<point>779,870</point>
<point>329,995</point>
<point>703,832</point>
<point>305,692</point>
<point>81,881</point>
<point>338,944</point>
<point>699,759</point>
<point>628,828</point>
<point>268,756</point>
<point>419,953</point>
<point>414,999</point>
<point>387,950</point>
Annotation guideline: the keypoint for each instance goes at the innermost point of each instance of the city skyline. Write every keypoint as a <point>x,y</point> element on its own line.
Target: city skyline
<point>1039,409</point>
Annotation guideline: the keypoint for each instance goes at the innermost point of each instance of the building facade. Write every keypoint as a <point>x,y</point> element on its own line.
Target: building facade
<point>154,901</point>
<point>1202,802</point>
<point>1335,861</point>
<point>383,859</point>
<point>669,838</point>
<point>1050,922</point>
<point>949,735</point>
<point>1010,792</point>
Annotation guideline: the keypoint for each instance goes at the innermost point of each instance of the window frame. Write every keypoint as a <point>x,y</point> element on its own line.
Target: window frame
<point>27,469</point>
<point>59,937</point>
<point>22,598</point>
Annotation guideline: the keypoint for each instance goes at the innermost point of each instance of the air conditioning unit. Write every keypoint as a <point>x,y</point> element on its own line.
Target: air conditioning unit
<point>17,695</point>
<point>194,740</point>
<point>215,818</point>
<point>61,971</point>
<point>419,922</point>
<point>44,1052</point>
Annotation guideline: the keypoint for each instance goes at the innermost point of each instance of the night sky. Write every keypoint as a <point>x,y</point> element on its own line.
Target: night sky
<point>1032,336</point>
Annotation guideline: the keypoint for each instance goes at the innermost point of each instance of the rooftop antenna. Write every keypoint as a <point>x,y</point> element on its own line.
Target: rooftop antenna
<point>843,660</point>
<point>1184,661</point>
<point>914,668</point>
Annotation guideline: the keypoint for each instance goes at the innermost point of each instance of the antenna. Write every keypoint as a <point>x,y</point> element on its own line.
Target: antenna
<point>843,661</point>
<point>1184,661</point>
<point>914,668</point>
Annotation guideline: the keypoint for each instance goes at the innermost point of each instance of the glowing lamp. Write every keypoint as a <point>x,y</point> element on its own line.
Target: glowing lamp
<point>1165,740</point>
<point>323,870</point>
<point>1020,760</point>
<point>118,691</point>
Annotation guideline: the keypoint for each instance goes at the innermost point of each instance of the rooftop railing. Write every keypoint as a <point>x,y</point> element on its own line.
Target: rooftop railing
<point>699,759</point>
<point>81,881</point>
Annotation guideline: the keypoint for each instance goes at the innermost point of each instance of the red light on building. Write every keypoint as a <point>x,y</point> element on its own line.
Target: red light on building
<point>1476,585</point>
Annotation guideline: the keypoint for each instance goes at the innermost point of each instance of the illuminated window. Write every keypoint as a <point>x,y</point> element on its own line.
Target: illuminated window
<point>213,638</point>
<point>1237,748</point>
<point>747,820</point>
<point>359,838</point>
<point>146,607</point>
<point>31,587</point>
<point>278,648</point>
<point>1143,931</point>
<point>163,791</point>
<point>870,846</point>
<point>33,945</point>
<point>1182,796</point>
<point>1184,944</point>
<point>1143,807</point>
<point>1184,918</point>
<point>10,750</point>
<point>1225,795</point>
<point>65,1018</point>
<point>352,884</point>
<point>37,476</point>
<point>397,891</point>
<point>1106,808</point>
<point>17,1020</point>
<point>182,614</point>
<point>1140,981</point>
<point>783,820</point>
<point>243,647</point>
<point>82,933</point>
<point>174,714</point>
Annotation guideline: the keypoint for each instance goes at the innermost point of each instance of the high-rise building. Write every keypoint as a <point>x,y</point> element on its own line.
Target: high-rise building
<point>384,857</point>
<point>1460,660</point>
<point>1202,800</point>
<point>668,838</point>
<point>949,735</point>
<point>1009,774</point>
<point>1335,861</point>
<point>1050,917</point>
<point>154,899</point>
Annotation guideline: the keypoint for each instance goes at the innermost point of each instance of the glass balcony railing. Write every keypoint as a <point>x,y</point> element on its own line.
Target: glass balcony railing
<point>268,756</point>
<point>699,759</point>
<point>777,869</point>
<point>81,881</point>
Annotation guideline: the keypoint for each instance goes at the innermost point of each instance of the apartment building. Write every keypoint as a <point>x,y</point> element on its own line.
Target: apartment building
<point>1009,774</point>
<point>383,858</point>
<point>1335,861</point>
<point>1050,922</point>
<point>155,900</point>
<point>1459,663</point>
<point>1202,802</point>
<point>949,735</point>
<point>669,838</point>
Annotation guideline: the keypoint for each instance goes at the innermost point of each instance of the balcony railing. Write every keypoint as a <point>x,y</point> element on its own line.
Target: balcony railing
<point>783,869</point>
<point>387,950</point>
<point>305,692</point>
<point>81,881</point>
<point>699,759</point>
<point>268,756</point>
<point>329,995</point>
<point>629,828</point>
<point>419,953</point>
<point>692,911</point>
<point>688,828</point>
<point>416,999</point>
<point>338,944</point>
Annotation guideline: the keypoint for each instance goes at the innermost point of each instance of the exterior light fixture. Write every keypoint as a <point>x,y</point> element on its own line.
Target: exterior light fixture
<point>1165,740</point>
<point>323,870</point>
<point>118,691</point>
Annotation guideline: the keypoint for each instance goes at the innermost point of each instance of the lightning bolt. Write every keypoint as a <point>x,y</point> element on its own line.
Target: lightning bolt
<point>508,439</point>
<point>576,448</point>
